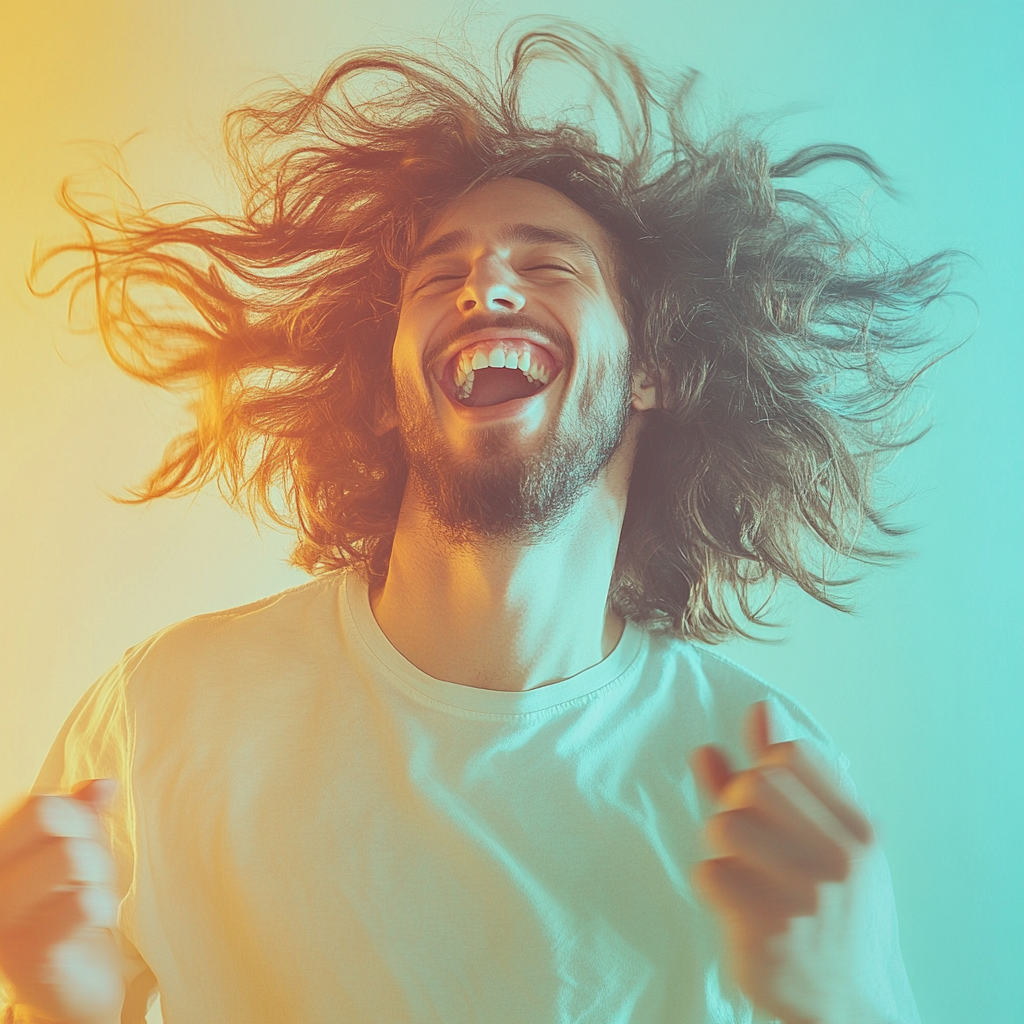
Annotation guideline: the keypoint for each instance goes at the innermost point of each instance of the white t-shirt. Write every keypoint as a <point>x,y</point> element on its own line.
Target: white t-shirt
<point>310,829</point>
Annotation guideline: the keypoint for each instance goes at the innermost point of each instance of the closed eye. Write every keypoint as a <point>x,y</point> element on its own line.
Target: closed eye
<point>436,278</point>
<point>526,270</point>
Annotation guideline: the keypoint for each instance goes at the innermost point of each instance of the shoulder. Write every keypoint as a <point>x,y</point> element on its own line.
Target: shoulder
<point>183,691</point>
<point>238,646</point>
<point>715,693</point>
<point>280,620</point>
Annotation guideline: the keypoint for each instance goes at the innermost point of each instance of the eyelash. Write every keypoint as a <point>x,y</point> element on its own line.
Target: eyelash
<point>539,266</point>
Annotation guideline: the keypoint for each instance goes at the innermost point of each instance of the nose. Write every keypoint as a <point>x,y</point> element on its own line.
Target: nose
<point>492,286</point>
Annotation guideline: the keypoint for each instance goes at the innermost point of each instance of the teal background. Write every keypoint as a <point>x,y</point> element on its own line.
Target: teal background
<point>922,688</point>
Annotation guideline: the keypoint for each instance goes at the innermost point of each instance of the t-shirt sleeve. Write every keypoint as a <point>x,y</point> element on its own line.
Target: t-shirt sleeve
<point>97,741</point>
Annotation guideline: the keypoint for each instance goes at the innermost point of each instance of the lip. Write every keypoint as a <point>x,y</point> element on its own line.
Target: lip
<point>440,363</point>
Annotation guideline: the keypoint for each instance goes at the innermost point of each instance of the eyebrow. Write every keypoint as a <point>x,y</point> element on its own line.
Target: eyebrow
<point>528,234</point>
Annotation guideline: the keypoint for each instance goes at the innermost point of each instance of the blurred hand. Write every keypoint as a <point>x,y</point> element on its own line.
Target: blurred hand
<point>57,907</point>
<point>787,880</point>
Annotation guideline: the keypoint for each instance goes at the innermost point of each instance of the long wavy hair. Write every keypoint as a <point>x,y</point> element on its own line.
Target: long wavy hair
<point>774,331</point>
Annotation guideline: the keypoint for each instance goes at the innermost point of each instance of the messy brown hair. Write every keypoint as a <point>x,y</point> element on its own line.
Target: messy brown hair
<point>773,331</point>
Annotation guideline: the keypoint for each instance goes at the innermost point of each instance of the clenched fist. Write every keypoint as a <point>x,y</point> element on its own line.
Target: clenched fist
<point>57,954</point>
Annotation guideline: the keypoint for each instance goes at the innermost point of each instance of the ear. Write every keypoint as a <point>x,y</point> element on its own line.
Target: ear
<point>645,393</point>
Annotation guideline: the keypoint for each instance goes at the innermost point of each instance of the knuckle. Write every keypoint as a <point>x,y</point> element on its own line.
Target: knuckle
<point>87,861</point>
<point>73,908</point>
<point>80,859</point>
<point>100,906</point>
<point>51,814</point>
<point>726,827</point>
<point>91,905</point>
<point>62,854</point>
<point>837,863</point>
<point>58,816</point>
<point>746,789</point>
<point>81,898</point>
<point>763,786</point>
<point>786,753</point>
<point>842,862</point>
<point>715,832</point>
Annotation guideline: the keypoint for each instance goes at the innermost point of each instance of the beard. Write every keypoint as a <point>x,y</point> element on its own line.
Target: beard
<point>500,493</point>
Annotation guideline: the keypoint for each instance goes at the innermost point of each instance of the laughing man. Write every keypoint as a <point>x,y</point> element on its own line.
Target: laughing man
<point>544,414</point>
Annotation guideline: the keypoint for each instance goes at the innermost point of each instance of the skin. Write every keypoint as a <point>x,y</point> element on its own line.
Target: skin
<point>791,881</point>
<point>789,877</point>
<point>58,908</point>
<point>502,614</point>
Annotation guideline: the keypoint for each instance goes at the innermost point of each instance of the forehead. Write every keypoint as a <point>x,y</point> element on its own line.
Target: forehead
<point>488,212</point>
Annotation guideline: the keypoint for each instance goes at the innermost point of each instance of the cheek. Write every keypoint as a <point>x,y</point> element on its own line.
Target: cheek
<point>405,372</point>
<point>418,322</point>
<point>405,354</point>
<point>603,340</point>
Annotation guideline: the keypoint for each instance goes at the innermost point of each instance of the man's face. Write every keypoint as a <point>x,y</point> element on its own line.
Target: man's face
<point>511,361</point>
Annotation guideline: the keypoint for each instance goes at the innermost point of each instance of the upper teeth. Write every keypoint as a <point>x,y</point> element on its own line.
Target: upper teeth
<point>471,359</point>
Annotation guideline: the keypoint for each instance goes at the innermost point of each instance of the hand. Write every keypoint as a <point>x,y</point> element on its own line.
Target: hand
<point>787,880</point>
<point>57,953</point>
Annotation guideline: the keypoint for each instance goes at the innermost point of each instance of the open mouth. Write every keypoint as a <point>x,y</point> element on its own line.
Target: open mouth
<point>493,372</point>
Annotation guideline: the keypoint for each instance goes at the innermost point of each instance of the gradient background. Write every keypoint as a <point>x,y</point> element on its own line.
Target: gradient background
<point>922,688</point>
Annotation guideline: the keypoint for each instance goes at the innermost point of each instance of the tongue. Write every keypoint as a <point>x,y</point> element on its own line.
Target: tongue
<point>493,385</point>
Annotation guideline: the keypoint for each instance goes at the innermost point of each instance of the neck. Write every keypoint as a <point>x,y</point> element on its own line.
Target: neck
<point>505,616</point>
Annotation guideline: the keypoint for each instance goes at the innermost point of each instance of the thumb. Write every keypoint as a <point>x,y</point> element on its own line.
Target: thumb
<point>97,792</point>
<point>758,729</point>
<point>711,768</point>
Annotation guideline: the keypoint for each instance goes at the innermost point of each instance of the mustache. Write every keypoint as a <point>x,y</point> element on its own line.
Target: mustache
<point>559,339</point>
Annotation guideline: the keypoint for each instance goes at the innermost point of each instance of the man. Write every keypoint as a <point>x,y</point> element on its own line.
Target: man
<point>549,415</point>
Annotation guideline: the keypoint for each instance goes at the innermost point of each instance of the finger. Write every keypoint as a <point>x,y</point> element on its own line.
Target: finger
<point>757,728</point>
<point>814,839</point>
<point>712,769</point>
<point>31,881</point>
<point>43,817</point>
<point>807,766</point>
<point>63,915</point>
<point>740,892</point>
<point>820,841</point>
<point>99,793</point>
<point>795,854</point>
